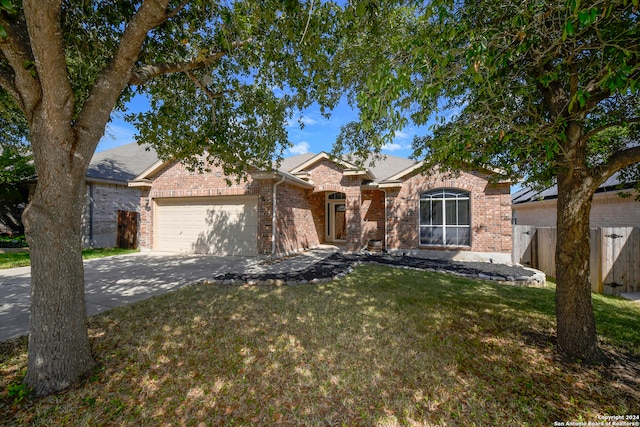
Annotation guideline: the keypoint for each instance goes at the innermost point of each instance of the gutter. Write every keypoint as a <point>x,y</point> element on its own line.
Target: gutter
<point>273,217</point>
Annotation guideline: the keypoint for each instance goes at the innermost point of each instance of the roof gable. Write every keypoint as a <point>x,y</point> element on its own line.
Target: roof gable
<point>349,168</point>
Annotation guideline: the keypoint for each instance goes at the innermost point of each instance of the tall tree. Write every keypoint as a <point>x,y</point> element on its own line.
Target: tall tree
<point>544,89</point>
<point>222,79</point>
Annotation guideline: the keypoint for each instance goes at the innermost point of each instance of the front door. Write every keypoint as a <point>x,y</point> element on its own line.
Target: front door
<point>336,217</point>
<point>339,222</point>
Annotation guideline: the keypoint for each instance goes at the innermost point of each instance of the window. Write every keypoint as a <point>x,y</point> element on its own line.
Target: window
<point>445,218</point>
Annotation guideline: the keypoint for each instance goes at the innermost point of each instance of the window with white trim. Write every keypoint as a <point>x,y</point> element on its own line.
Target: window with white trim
<point>445,218</point>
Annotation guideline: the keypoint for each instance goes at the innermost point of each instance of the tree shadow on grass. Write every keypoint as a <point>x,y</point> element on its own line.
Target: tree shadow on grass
<point>379,347</point>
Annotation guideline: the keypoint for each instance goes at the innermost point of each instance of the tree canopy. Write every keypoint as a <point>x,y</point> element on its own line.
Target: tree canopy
<point>502,83</point>
<point>545,90</point>
<point>222,79</point>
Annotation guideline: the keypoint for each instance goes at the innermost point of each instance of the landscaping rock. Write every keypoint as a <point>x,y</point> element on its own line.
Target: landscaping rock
<point>340,264</point>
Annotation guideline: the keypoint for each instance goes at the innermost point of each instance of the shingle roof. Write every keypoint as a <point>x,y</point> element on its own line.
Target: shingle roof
<point>290,163</point>
<point>382,166</point>
<point>526,194</point>
<point>122,163</point>
<point>388,166</point>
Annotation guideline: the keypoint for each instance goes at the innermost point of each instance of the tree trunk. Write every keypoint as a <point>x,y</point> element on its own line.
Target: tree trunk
<point>59,349</point>
<point>574,312</point>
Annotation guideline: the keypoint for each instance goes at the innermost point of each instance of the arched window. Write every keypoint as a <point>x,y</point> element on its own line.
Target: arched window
<point>445,218</point>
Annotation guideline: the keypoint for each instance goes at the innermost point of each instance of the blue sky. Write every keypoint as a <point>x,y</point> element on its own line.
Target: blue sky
<point>318,133</point>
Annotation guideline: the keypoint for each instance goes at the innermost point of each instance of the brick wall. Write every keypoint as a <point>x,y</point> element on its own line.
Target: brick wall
<point>490,211</point>
<point>295,226</point>
<point>145,228</point>
<point>175,180</point>
<point>372,211</point>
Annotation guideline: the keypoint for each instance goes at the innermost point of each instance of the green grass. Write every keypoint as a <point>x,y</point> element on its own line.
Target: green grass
<point>380,347</point>
<point>21,259</point>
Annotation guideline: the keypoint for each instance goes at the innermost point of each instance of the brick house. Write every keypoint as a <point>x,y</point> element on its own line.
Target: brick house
<point>608,209</point>
<point>314,199</point>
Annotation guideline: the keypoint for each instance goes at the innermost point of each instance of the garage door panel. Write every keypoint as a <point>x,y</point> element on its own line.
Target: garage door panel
<point>220,226</point>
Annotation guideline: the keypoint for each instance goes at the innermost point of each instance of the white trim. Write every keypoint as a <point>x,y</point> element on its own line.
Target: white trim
<point>322,156</point>
<point>140,183</point>
<point>151,170</point>
<point>350,168</point>
<point>444,224</point>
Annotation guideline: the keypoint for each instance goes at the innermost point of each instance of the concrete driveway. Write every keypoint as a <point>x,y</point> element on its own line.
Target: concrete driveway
<point>118,280</point>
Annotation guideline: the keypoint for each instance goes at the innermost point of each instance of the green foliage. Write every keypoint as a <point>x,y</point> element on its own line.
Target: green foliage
<point>13,242</point>
<point>15,165</point>
<point>18,391</point>
<point>507,83</point>
<point>234,110</point>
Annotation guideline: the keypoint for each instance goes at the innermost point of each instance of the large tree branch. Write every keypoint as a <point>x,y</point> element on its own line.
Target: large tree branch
<point>595,90</point>
<point>19,82</point>
<point>618,160</point>
<point>178,9</point>
<point>45,32</point>
<point>148,72</point>
<point>211,95</point>
<point>111,82</point>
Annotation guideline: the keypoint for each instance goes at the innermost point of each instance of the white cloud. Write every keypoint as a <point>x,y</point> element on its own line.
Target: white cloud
<point>304,120</point>
<point>308,121</point>
<point>401,135</point>
<point>392,147</point>
<point>300,148</point>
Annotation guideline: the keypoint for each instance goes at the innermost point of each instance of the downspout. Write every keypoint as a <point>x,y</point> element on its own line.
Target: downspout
<point>386,222</point>
<point>273,218</point>
<point>91,215</point>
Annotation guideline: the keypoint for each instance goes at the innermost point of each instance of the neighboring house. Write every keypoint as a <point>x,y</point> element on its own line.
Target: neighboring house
<point>111,215</point>
<point>314,199</point>
<point>608,209</point>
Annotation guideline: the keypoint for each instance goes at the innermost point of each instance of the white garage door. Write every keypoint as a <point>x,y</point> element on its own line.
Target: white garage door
<point>208,225</point>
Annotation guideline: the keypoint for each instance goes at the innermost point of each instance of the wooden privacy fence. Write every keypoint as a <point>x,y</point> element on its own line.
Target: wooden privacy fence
<point>615,255</point>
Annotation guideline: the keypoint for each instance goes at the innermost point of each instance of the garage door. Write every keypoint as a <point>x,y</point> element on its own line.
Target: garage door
<point>208,225</point>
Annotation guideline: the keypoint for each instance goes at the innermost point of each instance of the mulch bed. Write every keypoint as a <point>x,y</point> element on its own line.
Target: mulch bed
<point>340,264</point>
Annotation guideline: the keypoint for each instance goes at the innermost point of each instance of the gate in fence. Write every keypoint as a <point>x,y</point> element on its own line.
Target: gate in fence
<point>615,255</point>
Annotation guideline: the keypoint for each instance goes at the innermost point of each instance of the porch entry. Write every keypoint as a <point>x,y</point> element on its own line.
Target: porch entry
<point>336,217</point>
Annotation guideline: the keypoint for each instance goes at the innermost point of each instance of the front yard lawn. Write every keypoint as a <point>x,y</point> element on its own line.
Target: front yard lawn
<point>380,347</point>
<point>21,259</point>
